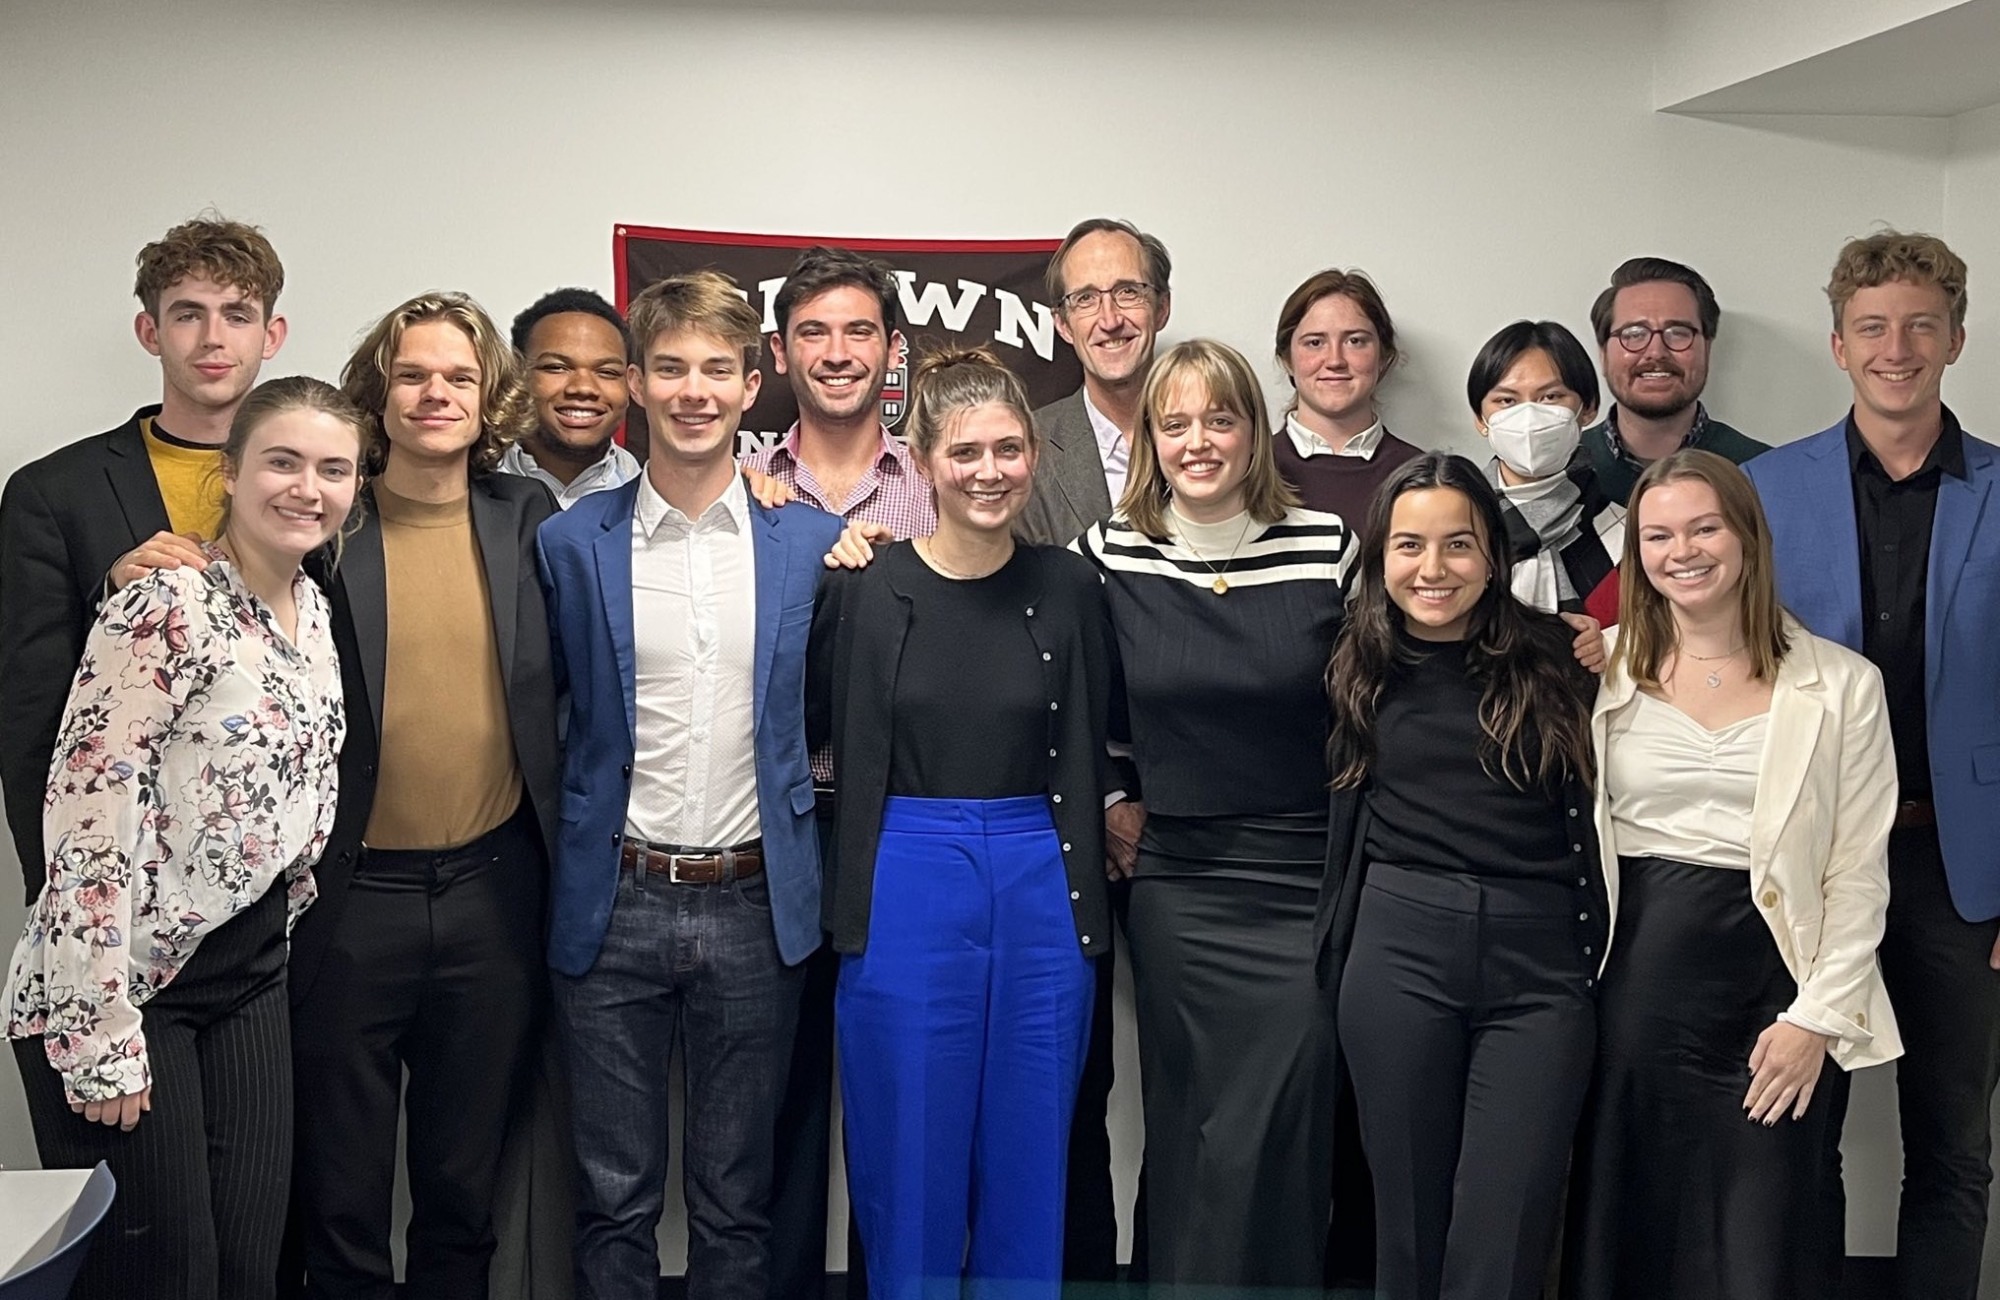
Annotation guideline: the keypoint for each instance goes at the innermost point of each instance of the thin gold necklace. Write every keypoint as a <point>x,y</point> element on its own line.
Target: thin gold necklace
<point>929,553</point>
<point>1221,584</point>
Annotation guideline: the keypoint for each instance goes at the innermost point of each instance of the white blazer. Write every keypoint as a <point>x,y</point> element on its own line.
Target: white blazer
<point>1819,835</point>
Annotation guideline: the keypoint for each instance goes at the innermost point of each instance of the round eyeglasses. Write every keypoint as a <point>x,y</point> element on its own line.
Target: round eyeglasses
<point>1635,338</point>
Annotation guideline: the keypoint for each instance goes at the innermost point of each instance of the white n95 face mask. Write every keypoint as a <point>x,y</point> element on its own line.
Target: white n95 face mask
<point>1534,439</point>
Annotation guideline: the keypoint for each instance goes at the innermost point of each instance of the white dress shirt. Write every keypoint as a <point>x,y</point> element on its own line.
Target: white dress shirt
<point>1361,446</point>
<point>616,469</point>
<point>1112,449</point>
<point>694,631</point>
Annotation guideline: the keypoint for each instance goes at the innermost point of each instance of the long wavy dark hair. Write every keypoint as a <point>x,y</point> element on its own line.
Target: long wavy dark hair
<point>1535,706</point>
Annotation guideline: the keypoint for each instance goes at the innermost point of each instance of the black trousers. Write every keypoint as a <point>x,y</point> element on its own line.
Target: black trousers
<point>1468,1029</point>
<point>1090,1212</point>
<point>202,1178</point>
<point>1947,1001</point>
<point>437,968</point>
<point>803,1153</point>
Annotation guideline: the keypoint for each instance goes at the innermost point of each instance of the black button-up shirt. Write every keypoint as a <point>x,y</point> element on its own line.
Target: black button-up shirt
<point>1893,519</point>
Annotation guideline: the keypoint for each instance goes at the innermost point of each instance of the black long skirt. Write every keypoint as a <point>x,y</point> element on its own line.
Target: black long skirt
<point>1235,1052</point>
<point>1676,1193</point>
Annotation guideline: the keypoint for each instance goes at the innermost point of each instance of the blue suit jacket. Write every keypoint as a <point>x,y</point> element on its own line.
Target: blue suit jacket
<point>586,565</point>
<point>1808,494</point>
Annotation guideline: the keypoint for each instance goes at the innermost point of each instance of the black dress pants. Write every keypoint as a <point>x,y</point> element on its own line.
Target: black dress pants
<point>1947,1001</point>
<point>437,968</point>
<point>201,1179</point>
<point>803,1153</point>
<point>1468,1026</point>
<point>1090,1212</point>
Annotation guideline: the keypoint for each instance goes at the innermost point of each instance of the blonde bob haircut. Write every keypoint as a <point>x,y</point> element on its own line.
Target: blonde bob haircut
<point>506,412</point>
<point>1647,635</point>
<point>706,302</point>
<point>1226,381</point>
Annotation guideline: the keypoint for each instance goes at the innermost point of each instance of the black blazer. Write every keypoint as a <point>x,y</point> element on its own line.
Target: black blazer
<point>64,521</point>
<point>860,619</point>
<point>506,512</point>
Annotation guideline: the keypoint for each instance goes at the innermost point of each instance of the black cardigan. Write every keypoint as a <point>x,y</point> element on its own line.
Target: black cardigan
<point>860,620</point>
<point>1347,839</point>
<point>1347,868</point>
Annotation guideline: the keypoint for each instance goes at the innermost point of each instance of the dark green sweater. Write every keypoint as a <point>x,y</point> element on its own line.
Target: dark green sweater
<point>1617,470</point>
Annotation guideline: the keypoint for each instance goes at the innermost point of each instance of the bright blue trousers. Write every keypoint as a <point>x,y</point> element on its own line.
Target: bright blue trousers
<point>962,1032</point>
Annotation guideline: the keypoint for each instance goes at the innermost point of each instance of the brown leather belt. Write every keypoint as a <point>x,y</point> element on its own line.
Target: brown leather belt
<point>1915,812</point>
<point>693,868</point>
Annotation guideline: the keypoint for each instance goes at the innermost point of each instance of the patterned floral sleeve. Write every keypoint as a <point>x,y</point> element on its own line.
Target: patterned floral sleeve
<point>150,653</point>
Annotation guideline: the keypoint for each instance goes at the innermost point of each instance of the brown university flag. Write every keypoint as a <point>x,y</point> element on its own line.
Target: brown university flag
<point>964,291</point>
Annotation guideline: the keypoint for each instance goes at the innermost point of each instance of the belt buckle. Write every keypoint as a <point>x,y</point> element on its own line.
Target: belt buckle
<point>674,861</point>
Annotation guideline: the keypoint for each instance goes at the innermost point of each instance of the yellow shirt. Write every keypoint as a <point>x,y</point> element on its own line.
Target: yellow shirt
<point>190,480</point>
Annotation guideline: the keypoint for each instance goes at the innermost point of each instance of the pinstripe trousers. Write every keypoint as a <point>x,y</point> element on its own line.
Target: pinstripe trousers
<point>203,1178</point>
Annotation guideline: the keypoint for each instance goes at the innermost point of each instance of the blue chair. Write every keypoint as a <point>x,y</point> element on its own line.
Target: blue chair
<point>51,1279</point>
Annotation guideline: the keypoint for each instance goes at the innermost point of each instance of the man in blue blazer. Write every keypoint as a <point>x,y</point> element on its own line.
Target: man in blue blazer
<point>687,875</point>
<point>1887,531</point>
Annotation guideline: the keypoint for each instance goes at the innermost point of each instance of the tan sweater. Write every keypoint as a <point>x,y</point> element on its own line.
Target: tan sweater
<point>447,772</point>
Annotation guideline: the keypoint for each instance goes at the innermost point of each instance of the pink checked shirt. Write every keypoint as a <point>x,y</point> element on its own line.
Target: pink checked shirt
<point>891,493</point>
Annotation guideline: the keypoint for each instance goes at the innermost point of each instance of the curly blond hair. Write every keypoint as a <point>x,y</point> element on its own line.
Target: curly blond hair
<point>1891,255</point>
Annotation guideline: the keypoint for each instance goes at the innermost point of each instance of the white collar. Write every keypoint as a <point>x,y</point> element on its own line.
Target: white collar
<point>617,463</point>
<point>731,509</point>
<point>1362,445</point>
<point>1111,445</point>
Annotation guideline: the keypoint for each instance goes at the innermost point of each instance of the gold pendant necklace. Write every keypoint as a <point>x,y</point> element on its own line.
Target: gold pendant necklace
<point>1221,584</point>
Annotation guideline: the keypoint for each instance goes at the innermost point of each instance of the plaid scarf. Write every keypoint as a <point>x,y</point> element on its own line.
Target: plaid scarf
<point>1552,534</point>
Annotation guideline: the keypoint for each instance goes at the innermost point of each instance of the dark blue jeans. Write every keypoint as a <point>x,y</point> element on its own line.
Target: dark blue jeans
<point>697,962</point>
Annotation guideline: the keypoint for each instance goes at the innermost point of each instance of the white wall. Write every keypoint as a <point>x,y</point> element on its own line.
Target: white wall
<point>1972,197</point>
<point>1484,161</point>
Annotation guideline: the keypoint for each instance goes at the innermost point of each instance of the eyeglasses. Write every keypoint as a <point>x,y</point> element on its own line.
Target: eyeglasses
<point>1126,295</point>
<point>1635,338</point>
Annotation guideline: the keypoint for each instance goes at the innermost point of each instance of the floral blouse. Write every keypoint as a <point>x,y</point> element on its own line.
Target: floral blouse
<point>195,765</point>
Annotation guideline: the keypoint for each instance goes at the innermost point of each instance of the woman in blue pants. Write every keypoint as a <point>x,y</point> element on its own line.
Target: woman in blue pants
<point>965,683</point>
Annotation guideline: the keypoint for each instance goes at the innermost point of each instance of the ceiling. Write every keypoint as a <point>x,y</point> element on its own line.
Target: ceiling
<point>1937,66</point>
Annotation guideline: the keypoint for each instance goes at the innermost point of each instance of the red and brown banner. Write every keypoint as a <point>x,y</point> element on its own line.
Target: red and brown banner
<point>953,290</point>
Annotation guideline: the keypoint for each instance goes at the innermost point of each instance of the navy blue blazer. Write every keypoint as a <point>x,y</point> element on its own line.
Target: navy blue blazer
<point>586,566</point>
<point>1808,493</point>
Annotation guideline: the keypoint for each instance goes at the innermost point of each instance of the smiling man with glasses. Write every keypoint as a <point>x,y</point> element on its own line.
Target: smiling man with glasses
<point>1655,324</point>
<point>1108,281</point>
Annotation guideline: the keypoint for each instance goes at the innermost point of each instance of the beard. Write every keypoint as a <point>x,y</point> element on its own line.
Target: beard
<point>1660,406</point>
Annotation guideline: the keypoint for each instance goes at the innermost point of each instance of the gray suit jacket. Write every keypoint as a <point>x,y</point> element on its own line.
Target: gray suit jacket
<point>1070,494</point>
